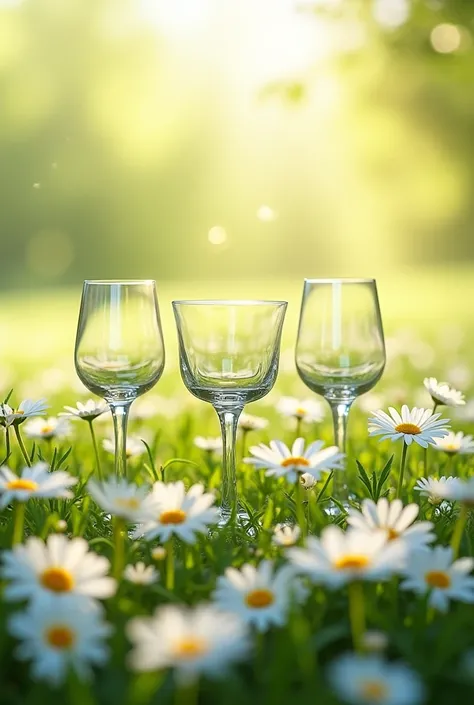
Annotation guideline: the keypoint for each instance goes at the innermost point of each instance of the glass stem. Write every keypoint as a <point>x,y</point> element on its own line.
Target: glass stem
<point>96,451</point>
<point>340,412</point>
<point>120,412</point>
<point>229,420</point>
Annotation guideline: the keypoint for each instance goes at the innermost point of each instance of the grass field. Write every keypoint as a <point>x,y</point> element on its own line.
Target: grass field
<point>297,656</point>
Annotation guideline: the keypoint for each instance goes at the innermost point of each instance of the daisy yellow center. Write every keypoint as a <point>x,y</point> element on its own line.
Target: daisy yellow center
<point>300,411</point>
<point>374,691</point>
<point>127,503</point>
<point>22,485</point>
<point>438,579</point>
<point>173,516</point>
<point>60,637</point>
<point>410,428</point>
<point>47,429</point>
<point>19,412</point>
<point>190,647</point>
<point>392,534</point>
<point>352,561</point>
<point>297,460</point>
<point>57,580</point>
<point>259,598</point>
<point>451,448</point>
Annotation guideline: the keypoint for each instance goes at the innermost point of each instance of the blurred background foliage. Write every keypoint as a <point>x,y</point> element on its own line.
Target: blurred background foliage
<point>247,139</point>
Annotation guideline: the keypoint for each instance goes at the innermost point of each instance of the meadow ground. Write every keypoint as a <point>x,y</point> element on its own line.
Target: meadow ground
<point>296,653</point>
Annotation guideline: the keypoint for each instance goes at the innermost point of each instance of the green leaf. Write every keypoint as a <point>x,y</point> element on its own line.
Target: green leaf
<point>384,475</point>
<point>364,478</point>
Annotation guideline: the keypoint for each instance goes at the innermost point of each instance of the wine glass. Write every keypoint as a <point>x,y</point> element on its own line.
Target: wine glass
<point>119,351</point>
<point>340,350</point>
<point>229,354</point>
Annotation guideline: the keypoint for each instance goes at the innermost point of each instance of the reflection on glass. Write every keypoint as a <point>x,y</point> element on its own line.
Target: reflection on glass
<point>119,348</point>
<point>340,351</point>
<point>229,353</point>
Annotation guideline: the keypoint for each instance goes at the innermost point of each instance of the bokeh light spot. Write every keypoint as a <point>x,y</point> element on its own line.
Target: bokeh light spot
<point>266,214</point>
<point>446,38</point>
<point>391,13</point>
<point>217,235</point>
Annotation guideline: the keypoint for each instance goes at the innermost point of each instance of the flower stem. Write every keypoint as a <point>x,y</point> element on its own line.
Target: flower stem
<point>119,554</point>
<point>298,426</point>
<point>7,442</point>
<point>96,451</point>
<point>187,693</point>
<point>19,524</point>
<point>425,462</point>
<point>169,564</point>
<point>459,530</point>
<point>24,452</point>
<point>402,469</point>
<point>300,515</point>
<point>357,614</point>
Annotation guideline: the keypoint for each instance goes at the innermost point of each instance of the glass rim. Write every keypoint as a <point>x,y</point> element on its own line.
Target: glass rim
<point>128,282</point>
<point>228,302</point>
<point>341,280</point>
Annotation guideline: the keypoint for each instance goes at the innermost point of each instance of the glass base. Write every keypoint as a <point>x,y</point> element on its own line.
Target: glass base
<point>241,519</point>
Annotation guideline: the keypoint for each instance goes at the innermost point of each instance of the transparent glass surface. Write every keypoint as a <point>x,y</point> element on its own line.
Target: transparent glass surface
<point>340,349</point>
<point>229,354</point>
<point>119,351</point>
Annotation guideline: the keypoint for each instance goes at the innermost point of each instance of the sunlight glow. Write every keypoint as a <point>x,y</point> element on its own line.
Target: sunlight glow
<point>175,18</point>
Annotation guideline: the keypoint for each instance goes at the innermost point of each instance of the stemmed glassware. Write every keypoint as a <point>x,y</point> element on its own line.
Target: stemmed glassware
<point>340,350</point>
<point>119,351</point>
<point>229,354</point>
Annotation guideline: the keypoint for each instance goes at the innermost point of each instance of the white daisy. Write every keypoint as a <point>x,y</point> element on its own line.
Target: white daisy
<point>286,535</point>
<point>419,425</point>
<point>442,393</point>
<point>374,640</point>
<point>370,680</point>
<point>261,596</point>
<point>120,498</point>
<point>59,568</point>
<point>307,480</point>
<point>159,553</point>
<point>191,640</point>
<point>141,574</point>
<point>394,520</point>
<point>338,558</point>
<point>247,422</point>
<point>433,488</point>
<point>26,409</point>
<point>308,410</point>
<point>36,481</point>
<point>434,571</point>
<point>88,411</point>
<point>459,491</point>
<point>134,447</point>
<point>212,445</point>
<point>278,460</point>
<point>59,637</point>
<point>455,443</point>
<point>177,512</point>
<point>48,428</point>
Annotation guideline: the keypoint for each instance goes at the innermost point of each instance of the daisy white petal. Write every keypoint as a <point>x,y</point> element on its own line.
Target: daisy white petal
<point>416,425</point>
<point>176,512</point>
<point>371,680</point>
<point>443,393</point>
<point>193,641</point>
<point>59,637</point>
<point>60,568</point>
